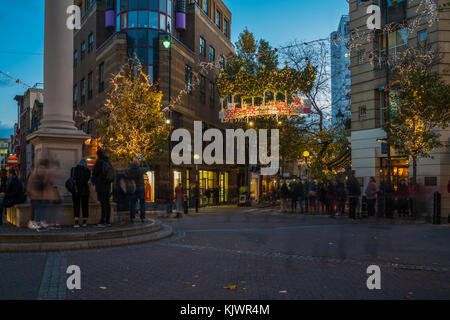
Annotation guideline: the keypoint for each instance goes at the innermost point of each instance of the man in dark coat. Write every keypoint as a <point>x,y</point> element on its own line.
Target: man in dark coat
<point>13,192</point>
<point>354,192</point>
<point>136,172</point>
<point>81,174</point>
<point>103,187</point>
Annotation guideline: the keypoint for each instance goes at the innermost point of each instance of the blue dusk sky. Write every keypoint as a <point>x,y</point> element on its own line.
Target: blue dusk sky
<point>279,22</point>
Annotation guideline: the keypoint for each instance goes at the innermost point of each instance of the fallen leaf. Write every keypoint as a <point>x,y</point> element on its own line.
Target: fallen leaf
<point>283,292</point>
<point>233,287</point>
<point>103,288</point>
<point>196,276</point>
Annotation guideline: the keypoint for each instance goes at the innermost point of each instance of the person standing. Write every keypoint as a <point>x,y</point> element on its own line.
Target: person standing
<point>38,187</point>
<point>341,194</point>
<point>403,199</point>
<point>300,195</point>
<point>3,182</point>
<point>354,192</point>
<point>179,196</point>
<point>284,194</point>
<point>13,192</point>
<point>80,197</point>
<point>103,174</point>
<point>371,196</point>
<point>195,192</point>
<point>332,198</point>
<point>136,172</point>
<point>293,194</point>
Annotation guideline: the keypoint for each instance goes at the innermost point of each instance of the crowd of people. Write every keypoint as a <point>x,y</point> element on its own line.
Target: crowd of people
<point>334,196</point>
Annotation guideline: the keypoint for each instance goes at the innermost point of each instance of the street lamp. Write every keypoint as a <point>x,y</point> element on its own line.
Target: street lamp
<point>306,154</point>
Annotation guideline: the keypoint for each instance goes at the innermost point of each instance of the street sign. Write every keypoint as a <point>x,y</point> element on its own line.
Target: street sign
<point>90,163</point>
<point>13,161</point>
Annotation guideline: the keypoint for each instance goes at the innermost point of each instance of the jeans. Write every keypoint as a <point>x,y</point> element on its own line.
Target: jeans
<point>294,204</point>
<point>371,207</point>
<point>179,204</point>
<point>138,195</point>
<point>106,207</point>
<point>41,209</point>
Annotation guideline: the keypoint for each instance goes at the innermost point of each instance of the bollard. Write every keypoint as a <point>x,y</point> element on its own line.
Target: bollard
<point>437,208</point>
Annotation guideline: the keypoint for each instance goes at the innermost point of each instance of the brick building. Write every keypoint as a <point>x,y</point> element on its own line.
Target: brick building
<point>199,31</point>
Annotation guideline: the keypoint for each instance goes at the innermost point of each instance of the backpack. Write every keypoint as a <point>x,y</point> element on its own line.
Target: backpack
<point>71,184</point>
<point>128,185</point>
<point>108,172</point>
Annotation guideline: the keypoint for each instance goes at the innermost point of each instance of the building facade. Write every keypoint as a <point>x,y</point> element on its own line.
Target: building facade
<point>370,101</point>
<point>4,152</point>
<point>199,31</point>
<point>30,108</point>
<point>340,72</point>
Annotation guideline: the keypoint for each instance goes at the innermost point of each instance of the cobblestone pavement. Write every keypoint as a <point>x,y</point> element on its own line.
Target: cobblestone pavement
<point>264,254</point>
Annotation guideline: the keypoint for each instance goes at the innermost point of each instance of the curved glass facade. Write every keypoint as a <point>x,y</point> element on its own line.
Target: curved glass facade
<point>142,20</point>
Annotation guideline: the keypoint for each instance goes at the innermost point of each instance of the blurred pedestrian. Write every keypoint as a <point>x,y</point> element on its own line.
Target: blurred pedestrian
<point>332,197</point>
<point>103,174</point>
<point>179,198</point>
<point>354,192</point>
<point>403,199</point>
<point>3,182</point>
<point>371,196</point>
<point>284,195</point>
<point>136,172</point>
<point>39,187</point>
<point>80,195</point>
<point>195,194</point>
<point>341,194</point>
<point>12,192</point>
<point>293,193</point>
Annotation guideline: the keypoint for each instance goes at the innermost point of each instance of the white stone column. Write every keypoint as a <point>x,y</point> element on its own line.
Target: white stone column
<point>57,137</point>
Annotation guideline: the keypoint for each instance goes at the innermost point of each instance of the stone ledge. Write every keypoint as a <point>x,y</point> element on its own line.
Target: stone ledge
<point>165,232</point>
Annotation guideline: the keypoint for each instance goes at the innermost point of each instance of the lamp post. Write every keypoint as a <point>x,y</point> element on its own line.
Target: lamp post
<point>167,44</point>
<point>306,154</point>
<point>197,187</point>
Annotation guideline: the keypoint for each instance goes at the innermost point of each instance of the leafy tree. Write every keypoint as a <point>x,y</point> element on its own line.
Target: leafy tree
<point>131,122</point>
<point>423,109</point>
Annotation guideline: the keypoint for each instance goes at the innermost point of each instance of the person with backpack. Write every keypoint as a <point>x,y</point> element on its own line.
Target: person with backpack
<point>179,196</point>
<point>3,182</point>
<point>103,174</point>
<point>80,193</point>
<point>136,173</point>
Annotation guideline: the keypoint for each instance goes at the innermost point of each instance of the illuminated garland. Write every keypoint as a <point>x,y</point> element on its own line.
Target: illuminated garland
<point>286,81</point>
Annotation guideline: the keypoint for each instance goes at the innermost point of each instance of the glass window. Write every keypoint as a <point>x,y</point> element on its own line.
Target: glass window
<point>188,79</point>
<point>151,57</point>
<point>83,50</point>
<point>143,4</point>
<point>151,73</point>
<point>123,5</point>
<point>75,95</point>
<point>132,38</point>
<point>90,85</point>
<point>163,6</point>
<point>423,35</point>
<point>225,27</point>
<point>202,47</point>
<point>143,55</point>
<point>169,8</point>
<point>143,19</point>
<point>132,19</point>
<point>83,90</point>
<point>118,23</point>
<point>154,5</point>
<point>212,54</point>
<point>162,22</point>
<point>202,89</point>
<point>153,20</point>
<point>101,77</point>
<point>218,19</point>
<point>169,24</point>
<point>212,95</point>
<point>132,4</point>
<point>124,20</point>
<point>91,42</point>
<point>153,38</point>
<point>205,6</point>
<point>75,58</point>
<point>222,63</point>
<point>143,37</point>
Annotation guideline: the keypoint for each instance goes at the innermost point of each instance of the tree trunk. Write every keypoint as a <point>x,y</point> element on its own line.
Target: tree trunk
<point>414,188</point>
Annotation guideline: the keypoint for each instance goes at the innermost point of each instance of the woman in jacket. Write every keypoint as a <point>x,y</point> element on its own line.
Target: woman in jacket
<point>371,196</point>
<point>81,175</point>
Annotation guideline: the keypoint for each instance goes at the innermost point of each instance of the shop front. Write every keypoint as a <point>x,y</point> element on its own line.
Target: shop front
<point>399,170</point>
